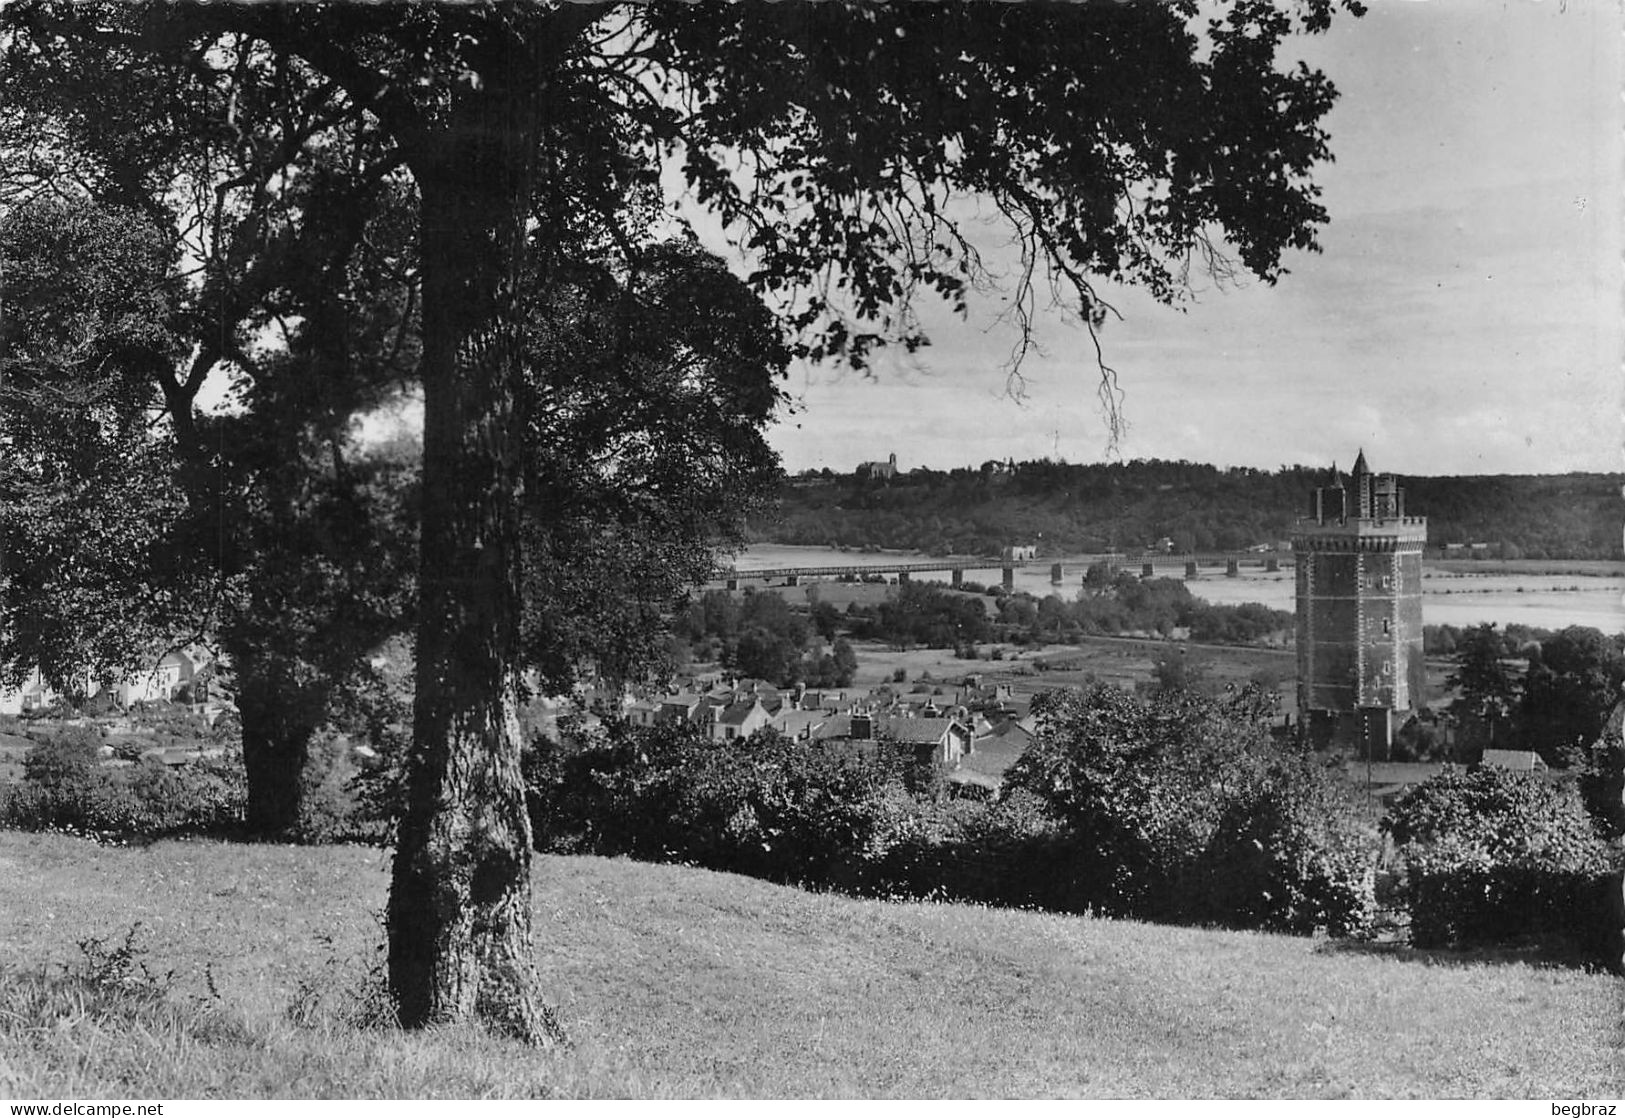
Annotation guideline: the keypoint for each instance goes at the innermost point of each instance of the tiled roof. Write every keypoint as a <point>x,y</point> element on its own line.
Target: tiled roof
<point>793,722</point>
<point>736,714</point>
<point>839,726</point>
<point>913,731</point>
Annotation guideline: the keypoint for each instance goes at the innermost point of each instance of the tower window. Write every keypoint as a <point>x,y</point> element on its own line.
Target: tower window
<point>1385,627</point>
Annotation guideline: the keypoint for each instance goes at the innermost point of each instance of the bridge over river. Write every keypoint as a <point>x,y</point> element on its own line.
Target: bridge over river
<point>1147,565</point>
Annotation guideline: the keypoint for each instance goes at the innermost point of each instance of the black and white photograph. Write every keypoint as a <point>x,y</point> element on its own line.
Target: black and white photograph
<point>811,550</point>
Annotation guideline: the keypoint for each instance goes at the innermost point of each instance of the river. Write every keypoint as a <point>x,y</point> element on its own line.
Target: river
<point>1542,601</point>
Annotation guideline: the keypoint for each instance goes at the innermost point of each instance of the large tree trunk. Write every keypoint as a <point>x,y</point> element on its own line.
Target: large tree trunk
<point>276,748</point>
<point>460,898</point>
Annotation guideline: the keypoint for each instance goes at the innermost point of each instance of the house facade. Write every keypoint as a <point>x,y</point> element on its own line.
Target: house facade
<point>740,720</point>
<point>33,693</point>
<point>161,682</point>
<point>177,669</point>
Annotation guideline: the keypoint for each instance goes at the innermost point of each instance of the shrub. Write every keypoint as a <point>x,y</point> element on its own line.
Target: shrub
<point>1602,781</point>
<point>171,725</point>
<point>208,795</point>
<point>1008,852</point>
<point>1181,807</point>
<point>788,811</point>
<point>1292,856</point>
<point>1493,857</point>
<point>130,749</point>
<point>65,786</point>
<point>68,756</point>
<point>378,787</point>
<point>329,807</point>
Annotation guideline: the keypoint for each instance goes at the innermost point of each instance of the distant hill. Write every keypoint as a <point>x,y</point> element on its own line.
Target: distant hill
<point>1068,509</point>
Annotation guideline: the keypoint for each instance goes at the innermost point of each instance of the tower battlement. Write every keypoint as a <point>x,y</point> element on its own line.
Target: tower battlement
<point>1403,532</point>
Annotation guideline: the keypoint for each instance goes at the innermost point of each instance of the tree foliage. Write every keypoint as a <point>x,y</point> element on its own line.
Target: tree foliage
<point>1492,856</point>
<point>1092,507</point>
<point>1574,680</point>
<point>1116,141</point>
<point>1488,689</point>
<point>759,636</point>
<point>88,504</point>
<point>1183,808</point>
<point>647,395</point>
<point>922,615</point>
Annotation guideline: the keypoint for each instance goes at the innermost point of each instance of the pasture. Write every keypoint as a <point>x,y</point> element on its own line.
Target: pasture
<point>678,982</point>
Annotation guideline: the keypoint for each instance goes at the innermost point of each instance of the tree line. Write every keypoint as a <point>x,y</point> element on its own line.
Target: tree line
<point>1094,508</point>
<point>761,634</point>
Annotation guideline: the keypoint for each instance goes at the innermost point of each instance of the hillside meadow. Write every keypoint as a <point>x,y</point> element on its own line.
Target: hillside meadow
<point>253,970</point>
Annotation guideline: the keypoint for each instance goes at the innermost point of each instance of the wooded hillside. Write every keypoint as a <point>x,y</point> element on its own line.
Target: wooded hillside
<point>1090,508</point>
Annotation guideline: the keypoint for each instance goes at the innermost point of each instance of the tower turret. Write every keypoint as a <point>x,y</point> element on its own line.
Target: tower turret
<point>1361,483</point>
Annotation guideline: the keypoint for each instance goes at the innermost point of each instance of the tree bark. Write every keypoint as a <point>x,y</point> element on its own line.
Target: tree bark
<point>276,748</point>
<point>460,899</point>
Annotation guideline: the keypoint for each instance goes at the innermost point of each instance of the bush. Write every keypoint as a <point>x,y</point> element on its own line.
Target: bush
<point>171,725</point>
<point>1602,780</point>
<point>787,811</point>
<point>65,786</point>
<point>1182,807</point>
<point>378,788</point>
<point>68,756</point>
<point>1495,857</point>
<point>330,806</point>
<point>1292,856</point>
<point>131,749</point>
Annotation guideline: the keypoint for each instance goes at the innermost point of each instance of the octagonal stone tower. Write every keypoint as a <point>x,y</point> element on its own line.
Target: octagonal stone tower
<point>1359,612</point>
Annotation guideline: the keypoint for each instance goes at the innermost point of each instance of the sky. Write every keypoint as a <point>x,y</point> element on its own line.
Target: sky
<point>1465,316</point>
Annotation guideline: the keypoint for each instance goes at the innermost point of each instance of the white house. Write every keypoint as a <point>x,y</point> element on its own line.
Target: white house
<point>34,692</point>
<point>164,679</point>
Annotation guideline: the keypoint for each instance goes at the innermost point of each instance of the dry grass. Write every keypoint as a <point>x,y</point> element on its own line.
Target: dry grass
<point>676,982</point>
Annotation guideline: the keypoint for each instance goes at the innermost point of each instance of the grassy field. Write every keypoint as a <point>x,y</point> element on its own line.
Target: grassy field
<point>1124,661</point>
<point>676,982</point>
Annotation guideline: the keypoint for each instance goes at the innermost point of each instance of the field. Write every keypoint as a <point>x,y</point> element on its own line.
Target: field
<point>1124,661</point>
<point>677,982</point>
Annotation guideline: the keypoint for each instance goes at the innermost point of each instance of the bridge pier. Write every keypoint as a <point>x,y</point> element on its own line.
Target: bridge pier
<point>1148,570</point>
<point>1232,568</point>
<point>1190,568</point>
<point>1056,574</point>
<point>957,577</point>
<point>902,578</point>
<point>733,584</point>
<point>1272,564</point>
<point>792,580</point>
<point>1009,578</point>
